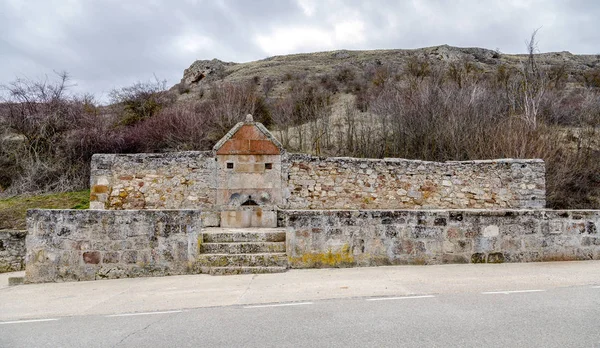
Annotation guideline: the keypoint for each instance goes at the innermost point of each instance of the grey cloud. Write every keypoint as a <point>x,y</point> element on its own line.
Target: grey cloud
<point>107,44</point>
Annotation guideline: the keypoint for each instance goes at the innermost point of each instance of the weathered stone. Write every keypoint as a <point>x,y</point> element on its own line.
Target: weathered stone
<point>495,258</point>
<point>202,71</point>
<point>13,281</point>
<point>12,250</point>
<point>153,181</point>
<point>491,231</point>
<point>111,257</point>
<point>399,183</point>
<point>243,247</point>
<point>478,258</point>
<point>413,236</point>
<point>113,244</point>
<point>439,221</point>
<point>92,257</point>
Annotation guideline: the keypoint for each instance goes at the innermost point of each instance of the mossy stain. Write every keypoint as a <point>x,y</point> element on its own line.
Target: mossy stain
<point>342,258</point>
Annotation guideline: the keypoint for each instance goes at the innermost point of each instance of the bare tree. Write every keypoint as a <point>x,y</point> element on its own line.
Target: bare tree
<point>534,84</point>
<point>283,109</point>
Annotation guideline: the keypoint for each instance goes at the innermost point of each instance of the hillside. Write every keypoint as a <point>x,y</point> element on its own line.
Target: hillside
<point>438,104</point>
<point>316,65</point>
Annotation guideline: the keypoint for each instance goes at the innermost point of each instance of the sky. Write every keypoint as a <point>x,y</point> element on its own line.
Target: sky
<point>107,44</point>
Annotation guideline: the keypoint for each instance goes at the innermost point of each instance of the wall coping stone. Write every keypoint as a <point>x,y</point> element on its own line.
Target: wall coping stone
<point>308,157</point>
<point>480,211</point>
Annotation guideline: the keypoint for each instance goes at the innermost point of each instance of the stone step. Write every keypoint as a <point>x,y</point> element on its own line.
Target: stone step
<point>245,270</point>
<point>243,248</point>
<point>12,281</point>
<point>247,260</point>
<point>224,235</point>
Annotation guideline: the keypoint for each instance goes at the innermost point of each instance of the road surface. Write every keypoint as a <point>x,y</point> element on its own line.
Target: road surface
<point>546,308</point>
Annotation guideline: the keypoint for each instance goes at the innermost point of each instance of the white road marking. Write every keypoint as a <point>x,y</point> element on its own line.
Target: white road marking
<point>143,313</point>
<point>596,287</point>
<point>398,298</point>
<point>27,321</point>
<point>281,305</point>
<point>510,292</point>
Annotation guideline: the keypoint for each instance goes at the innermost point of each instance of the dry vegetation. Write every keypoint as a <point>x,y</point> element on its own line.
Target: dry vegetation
<point>434,104</point>
<point>14,209</point>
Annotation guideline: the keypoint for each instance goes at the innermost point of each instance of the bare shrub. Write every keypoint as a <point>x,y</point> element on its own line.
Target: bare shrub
<point>283,110</point>
<point>306,110</point>
<point>463,72</point>
<point>141,100</point>
<point>267,85</point>
<point>329,83</point>
<point>345,74</point>
<point>515,114</point>
<point>95,133</point>
<point>37,116</point>
<point>176,128</point>
<point>573,179</point>
<point>39,111</point>
<point>558,76</point>
<point>591,78</point>
<point>9,168</point>
<point>227,104</point>
<point>417,67</point>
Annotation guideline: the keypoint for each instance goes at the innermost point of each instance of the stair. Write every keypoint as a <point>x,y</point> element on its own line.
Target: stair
<point>226,251</point>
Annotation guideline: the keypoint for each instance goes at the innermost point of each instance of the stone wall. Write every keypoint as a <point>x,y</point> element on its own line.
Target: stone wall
<point>190,180</point>
<point>65,245</point>
<point>12,250</point>
<point>178,180</point>
<point>329,238</point>
<point>351,183</point>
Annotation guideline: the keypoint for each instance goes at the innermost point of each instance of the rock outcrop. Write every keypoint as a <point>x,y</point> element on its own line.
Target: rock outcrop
<point>204,70</point>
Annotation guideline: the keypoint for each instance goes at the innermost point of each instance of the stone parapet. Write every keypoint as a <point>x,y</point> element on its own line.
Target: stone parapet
<point>392,183</point>
<point>337,238</point>
<point>66,245</point>
<point>175,180</point>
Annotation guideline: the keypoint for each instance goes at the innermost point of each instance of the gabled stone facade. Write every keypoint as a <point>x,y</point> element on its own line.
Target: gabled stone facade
<point>249,183</point>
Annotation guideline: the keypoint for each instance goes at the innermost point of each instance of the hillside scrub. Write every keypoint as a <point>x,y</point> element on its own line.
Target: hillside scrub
<point>36,121</point>
<point>421,109</point>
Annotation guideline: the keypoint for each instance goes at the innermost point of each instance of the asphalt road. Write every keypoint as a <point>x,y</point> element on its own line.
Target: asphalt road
<point>535,317</point>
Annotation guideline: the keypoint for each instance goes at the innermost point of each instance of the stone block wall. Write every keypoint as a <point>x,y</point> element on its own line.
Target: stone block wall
<point>330,238</point>
<point>12,250</point>
<point>178,180</point>
<point>66,245</point>
<point>352,183</point>
<point>193,180</point>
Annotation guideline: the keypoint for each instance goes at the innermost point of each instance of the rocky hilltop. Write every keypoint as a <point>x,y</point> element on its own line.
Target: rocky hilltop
<point>315,65</point>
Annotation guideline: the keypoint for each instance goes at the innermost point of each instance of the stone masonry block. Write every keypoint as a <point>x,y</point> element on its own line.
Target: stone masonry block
<point>92,257</point>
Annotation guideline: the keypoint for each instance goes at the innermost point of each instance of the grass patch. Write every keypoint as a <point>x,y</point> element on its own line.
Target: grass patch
<point>13,210</point>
